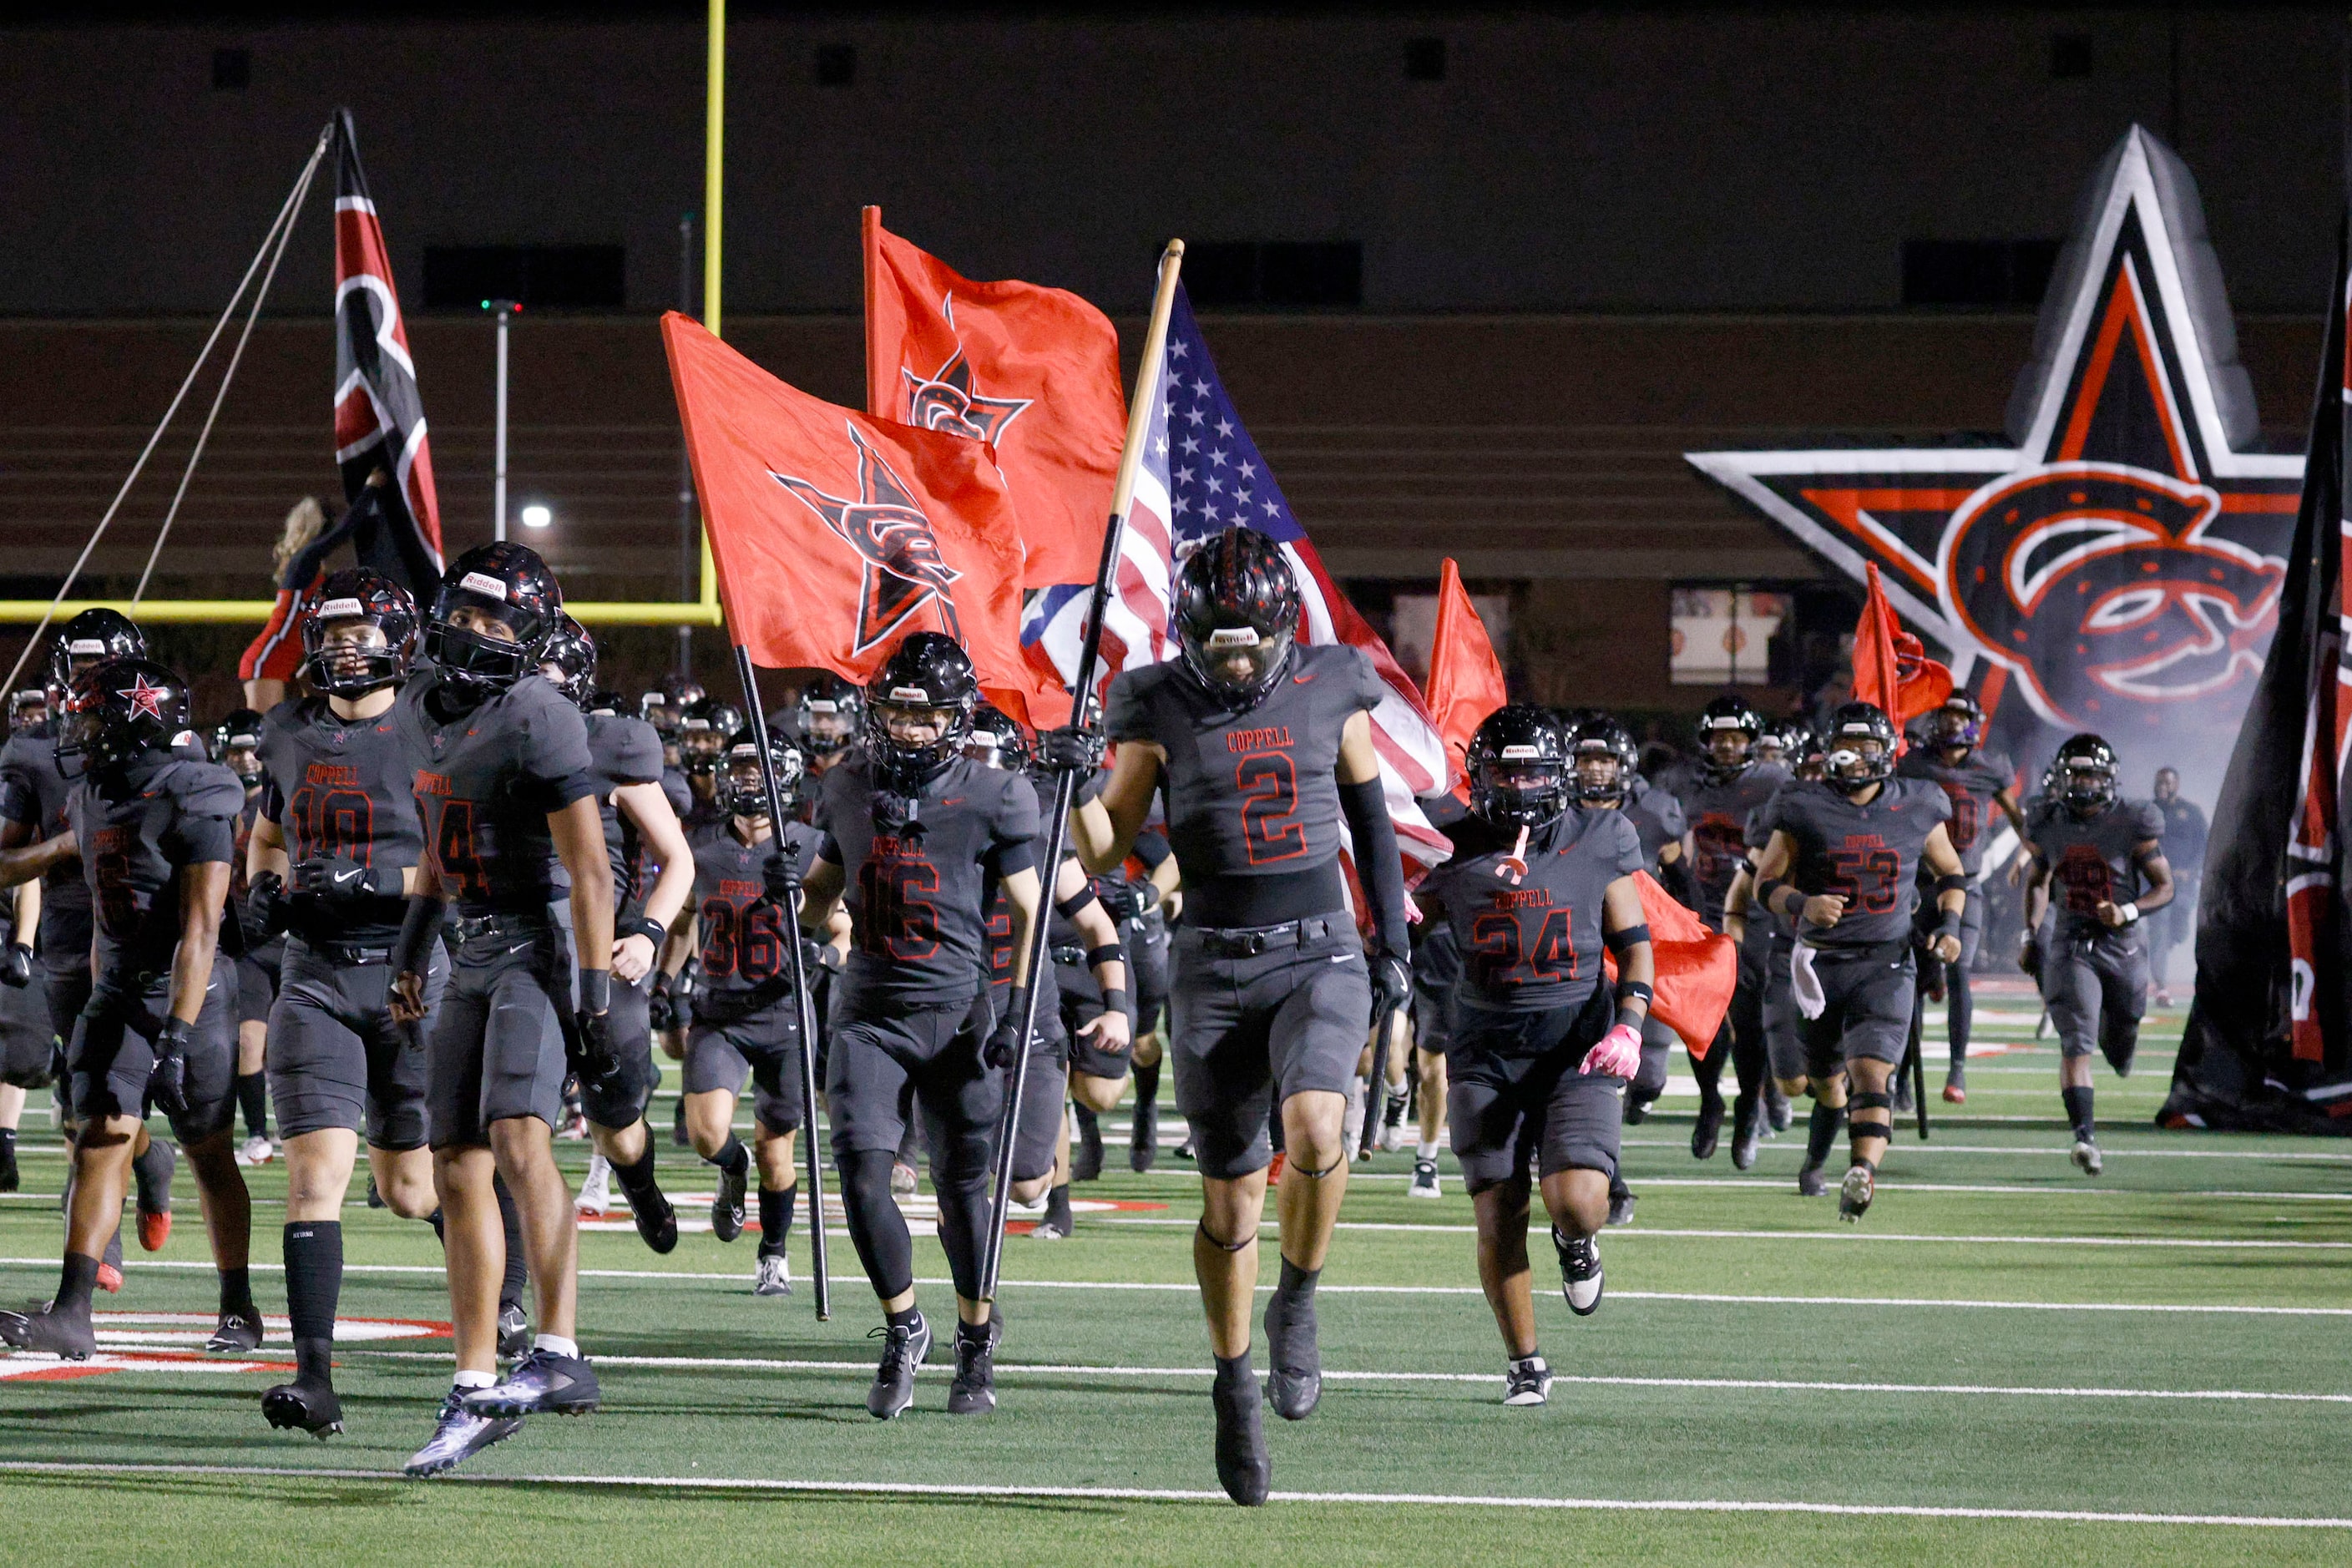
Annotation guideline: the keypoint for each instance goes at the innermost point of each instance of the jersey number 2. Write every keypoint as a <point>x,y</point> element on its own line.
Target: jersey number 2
<point>1268,783</point>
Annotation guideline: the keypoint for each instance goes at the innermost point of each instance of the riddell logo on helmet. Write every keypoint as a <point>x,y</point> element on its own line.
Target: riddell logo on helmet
<point>336,608</point>
<point>482,583</point>
<point>914,696</point>
<point>1233,636</point>
<point>1522,754</point>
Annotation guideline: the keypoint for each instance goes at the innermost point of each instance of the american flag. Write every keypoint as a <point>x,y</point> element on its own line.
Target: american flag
<point>1201,472</point>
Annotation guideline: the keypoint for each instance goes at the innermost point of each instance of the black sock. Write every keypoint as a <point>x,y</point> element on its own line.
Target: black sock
<point>1707,1070</point>
<point>1147,1084</point>
<point>1089,1126</point>
<point>1962,1014</point>
<point>637,1179</point>
<point>1057,1206</point>
<point>1822,1132</point>
<point>776,1219</point>
<point>314,1282</point>
<point>8,1142</point>
<point>1234,1371</point>
<point>75,1283</point>
<point>1297,1281</point>
<point>253,1099</point>
<point>518,1272</point>
<point>2078,1111</point>
<point>237,1292</point>
<point>732,1157</point>
<point>906,1319</point>
<point>877,1230</point>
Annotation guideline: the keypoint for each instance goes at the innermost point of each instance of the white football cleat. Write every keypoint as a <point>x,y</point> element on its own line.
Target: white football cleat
<point>596,1187</point>
<point>775,1276</point>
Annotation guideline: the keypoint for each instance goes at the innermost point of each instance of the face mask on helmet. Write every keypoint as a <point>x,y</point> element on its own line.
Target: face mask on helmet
<point>1237,611</point>
<point>236,745</point>
<point>918,712</point>
<point>358,633</point>
<point>1860,752</point>
<point>828,724</point>
<point>569,660</point>
<point>27,709</point>
<point>2088,785</point>
<point>492,618</point>
<point>1955,727</point>
<point>740,790</point>
<point>1600,771</point>
<point>1511,792</point>
<point>1238,664</point>
<point>996,741</point>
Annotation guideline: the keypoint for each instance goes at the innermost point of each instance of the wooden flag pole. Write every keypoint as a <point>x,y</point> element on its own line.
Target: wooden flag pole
<point>1065,782</point>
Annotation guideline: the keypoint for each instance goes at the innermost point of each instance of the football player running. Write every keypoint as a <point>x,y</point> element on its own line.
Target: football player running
<point>1264,748</point>
<point>237,746</point>
<point>2105,855</point>
<point>1842,867</point>
<point>1541,1050</point>
<point>506,790</point>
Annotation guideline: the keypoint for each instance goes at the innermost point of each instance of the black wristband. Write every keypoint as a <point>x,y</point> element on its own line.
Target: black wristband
<point>420,925</point>
<point>1619,941</point>
<point>1073,906</point>
<point>1765,892</point>
<point>1633,991</point>
<point>595,989</point>
<point>1949,924</point>
<point>1954,882</point>
<point>643,925</point>
<point>1115,1000</point>
<point>1109,952</point>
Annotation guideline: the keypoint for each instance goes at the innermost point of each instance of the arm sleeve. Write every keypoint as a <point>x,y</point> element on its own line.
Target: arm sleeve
<point>1378,865</point>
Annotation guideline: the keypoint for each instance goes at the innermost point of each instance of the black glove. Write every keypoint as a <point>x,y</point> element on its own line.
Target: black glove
<point>661,1011</point>
<point>599,1053</point>
<point>688,984</point>
<point>167,1080</point>
<point>1003,1046</point>
<point>2029,957</point>
<point>1071,749</point>
<point>335,876</point>
<point>779,879</point>
<point>16,967</point>
<point>1392,981</point>
<point>825,955</point>
<point>1122,899</point>
<point>265,907</point>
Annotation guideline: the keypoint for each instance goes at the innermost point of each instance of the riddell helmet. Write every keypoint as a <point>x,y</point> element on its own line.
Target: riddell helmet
<point>571,650</point>
<point>1519,775</point>
<point>1852,766</point>
<point>831,711</point>
<point>506,581</point>
<point>239,733</point>
<point>1727,714</point>
<point>1802,752</point>
<point>928,672</point>
<point>739,789</point>
<point>998,740</point>
<point>704,733</point>
<point>2082,774</point>
<point>26,708</point>
<point>1604,758</point>
<point>1959,723</point>
<point>653,708</point>
<point>117,711</point>
<point>1237,605</point>
<point>346,667</point>
<point>91,637</point>
<point>681,691</point>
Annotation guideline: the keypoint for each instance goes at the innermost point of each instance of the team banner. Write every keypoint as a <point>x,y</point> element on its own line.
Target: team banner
<point>1890,666</point>
<point>835,535</point>
<point>1031,371</point>
<point>1466,679</point>
<point>2114,562</point>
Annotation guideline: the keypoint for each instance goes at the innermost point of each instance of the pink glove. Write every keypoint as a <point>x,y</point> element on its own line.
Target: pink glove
<point>1618,1054</point>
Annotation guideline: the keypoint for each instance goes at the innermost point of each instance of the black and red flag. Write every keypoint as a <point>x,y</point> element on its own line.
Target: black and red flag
<point>2265,1044</point>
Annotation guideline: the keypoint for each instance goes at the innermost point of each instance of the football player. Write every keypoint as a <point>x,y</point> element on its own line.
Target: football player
<point>1842,867</point>
<point>702,733</point>
<point>1146,912</point>
<point>2105,855</point>
<point>832,715</point>
<point>1541,1050</point>
<point>917,838</point>
<point>24,1030</point>
<point>332,855</point>
<point>237,746</point>
<point>1979,783</point>
<point>506,790</point>
<point>1264,748</point>
<point>1718,792</point>
<point>154,832</point>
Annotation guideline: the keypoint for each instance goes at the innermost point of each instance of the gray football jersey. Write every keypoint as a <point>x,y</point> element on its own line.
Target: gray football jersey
<point>33,792</point>
<point>1868,853</point>
<point>2094,862</point>
<point>336,786</point>
<point>741,934</point>
<point>918,899</point>
<point>1717,811</point>
<point>1254,794</point>
<point>1533,945</point>
<point>622,750</point>
<point>136,831</point>
<point>1972,782</point>
<point>486,781</point>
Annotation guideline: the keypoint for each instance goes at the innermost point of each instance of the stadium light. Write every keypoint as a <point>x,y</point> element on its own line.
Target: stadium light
<point>536,516</point>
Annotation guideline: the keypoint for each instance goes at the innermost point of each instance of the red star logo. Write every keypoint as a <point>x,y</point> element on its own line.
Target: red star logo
<point>2115,566</point>
<point>886,526</point>
<point>144,698</point>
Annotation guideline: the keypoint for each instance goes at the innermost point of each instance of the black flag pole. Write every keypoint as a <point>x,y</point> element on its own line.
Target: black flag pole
<point>801,999</point>
<point>1065,780</point>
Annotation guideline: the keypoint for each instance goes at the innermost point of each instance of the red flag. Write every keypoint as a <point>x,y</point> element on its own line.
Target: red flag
<point>1032,372</point>
<point>835,534</point>
<point>1697,969</point>
<point>1466,679</point>
<point>1891,669</point>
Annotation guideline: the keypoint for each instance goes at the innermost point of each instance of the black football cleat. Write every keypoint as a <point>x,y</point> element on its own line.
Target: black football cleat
<point>541,1383</point>
<point>1244,1468</point>
<point>1811,1183</point>
<point>973,1392</point>
<point>1860,1184</point>
<point>903,1349</point>
<point>304,1406</point>
<point>1903,1102</point>
<point>1580,1271</point>
<point>1777,1114</point>
<point>656,1220</point>
<point>43,1328</point>
<point>460,1435</point>
<point>9,1180</point>
<point>1747,1141</point>
<point>514,1332</point>
<point>236,1333</point>
<point>1143,1139</point>
<point>1707,1130</point>
<point>727,1207</point>
<point>1293,1379</point>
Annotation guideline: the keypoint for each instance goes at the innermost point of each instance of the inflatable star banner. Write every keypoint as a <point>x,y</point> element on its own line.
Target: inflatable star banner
<point>2116,565</point>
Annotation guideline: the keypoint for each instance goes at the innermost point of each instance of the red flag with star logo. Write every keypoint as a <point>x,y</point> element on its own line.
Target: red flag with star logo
<point>1891,669</point>
<point>835,534</point>
<point>1031,371</point>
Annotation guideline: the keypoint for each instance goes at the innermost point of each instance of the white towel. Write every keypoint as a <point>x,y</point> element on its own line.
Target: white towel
<point>1804,983</point>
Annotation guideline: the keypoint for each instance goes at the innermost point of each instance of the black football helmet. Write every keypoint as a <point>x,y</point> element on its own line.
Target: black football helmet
<point>1604,758</point>
<point>928,674</point>
<point>681,691</point>
<point>1802,752</point>
<point>236,745</point>
<point>2083,774</point>
<point>739,789</point>
<point>508,582</point>
<point>1851,765</point>
<point>831,711</point>
<point>27,709</point>
<point>1957,725</point>
<point>91,637</point>
<point>1519,769</point>
<point>703,731</point>
<point>1237,611</point>
<point>348,665</point>
<point>571,650</point>
<point>998,740</point>
<point>1728,715</point>
<point>116,711</point>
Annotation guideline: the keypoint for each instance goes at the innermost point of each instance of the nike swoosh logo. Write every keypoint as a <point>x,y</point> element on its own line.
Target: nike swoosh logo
<point>1300,679</point>
<point>956,800</point>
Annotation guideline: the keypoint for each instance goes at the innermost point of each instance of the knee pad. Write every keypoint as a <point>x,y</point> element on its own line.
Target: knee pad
<point>1867,1115</point>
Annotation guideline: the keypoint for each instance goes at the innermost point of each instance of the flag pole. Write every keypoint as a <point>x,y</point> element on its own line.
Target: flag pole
<point>798,960</point>
<point>714,234</point>
<point>1065,780</point>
